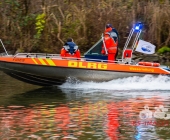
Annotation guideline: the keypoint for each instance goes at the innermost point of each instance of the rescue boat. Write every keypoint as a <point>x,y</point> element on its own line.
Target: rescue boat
<point>52,69</point>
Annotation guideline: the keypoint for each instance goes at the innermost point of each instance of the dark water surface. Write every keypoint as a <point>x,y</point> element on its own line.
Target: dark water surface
<point>128,109</point>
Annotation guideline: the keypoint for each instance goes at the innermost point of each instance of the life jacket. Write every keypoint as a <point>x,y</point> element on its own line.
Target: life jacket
<point>71,47</point>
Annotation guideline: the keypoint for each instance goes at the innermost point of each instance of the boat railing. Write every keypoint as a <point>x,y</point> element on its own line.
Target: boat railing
<point>3,54</point>
<point>118,61</point>
<point>57,56</point>
<point>37,55</point>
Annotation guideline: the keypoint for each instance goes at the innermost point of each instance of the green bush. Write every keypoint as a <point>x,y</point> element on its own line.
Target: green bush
<point>40,24</point>
<point>163,50</point>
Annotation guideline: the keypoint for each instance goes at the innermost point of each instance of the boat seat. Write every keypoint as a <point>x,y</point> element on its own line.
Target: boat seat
<point>127,56</point>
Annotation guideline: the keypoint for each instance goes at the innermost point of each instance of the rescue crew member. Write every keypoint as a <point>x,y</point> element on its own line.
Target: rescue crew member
<point>70,49</point>
<point>110,43</point>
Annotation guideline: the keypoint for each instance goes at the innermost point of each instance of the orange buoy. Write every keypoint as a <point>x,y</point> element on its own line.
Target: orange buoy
<point>149,64</point>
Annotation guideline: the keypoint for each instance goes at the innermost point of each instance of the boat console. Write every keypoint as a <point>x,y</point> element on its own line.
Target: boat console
<point>94,53</point>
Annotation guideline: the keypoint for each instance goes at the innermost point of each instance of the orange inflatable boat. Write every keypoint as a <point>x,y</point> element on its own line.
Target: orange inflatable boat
<point>51,69</point>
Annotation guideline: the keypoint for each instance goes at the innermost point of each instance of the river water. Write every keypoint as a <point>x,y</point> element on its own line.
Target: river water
<point>135,108</point>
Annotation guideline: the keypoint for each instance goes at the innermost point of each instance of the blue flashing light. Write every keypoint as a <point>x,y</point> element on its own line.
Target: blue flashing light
<point>138,26</point>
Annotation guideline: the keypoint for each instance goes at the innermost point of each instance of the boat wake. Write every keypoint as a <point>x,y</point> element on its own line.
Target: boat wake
<point>147,82</point>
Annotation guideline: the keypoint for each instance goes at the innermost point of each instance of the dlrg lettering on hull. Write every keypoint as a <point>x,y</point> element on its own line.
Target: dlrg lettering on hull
<point>90,65</point>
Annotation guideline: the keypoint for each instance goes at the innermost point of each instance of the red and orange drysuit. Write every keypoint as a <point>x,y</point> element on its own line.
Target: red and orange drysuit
<point>110,45</point>
<point>70,49</point>
<point>65,53</point>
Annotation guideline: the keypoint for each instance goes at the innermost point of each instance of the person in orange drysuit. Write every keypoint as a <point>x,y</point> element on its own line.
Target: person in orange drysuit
<point>70,49</point>
<point>110,43</point>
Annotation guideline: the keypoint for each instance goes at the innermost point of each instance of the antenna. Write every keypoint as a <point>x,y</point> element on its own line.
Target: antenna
<point>3,47</point>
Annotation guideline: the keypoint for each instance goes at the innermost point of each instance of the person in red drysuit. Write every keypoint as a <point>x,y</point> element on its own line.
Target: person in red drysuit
<point>110,43</point>
<point>70,49</point>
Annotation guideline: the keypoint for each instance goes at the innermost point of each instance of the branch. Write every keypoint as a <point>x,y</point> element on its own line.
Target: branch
<point>58,23</point>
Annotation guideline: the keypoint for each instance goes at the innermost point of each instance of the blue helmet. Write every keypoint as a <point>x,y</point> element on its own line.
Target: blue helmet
<point>108,26</point>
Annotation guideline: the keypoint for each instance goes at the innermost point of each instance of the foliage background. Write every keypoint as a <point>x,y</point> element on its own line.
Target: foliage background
<point>44,25</point>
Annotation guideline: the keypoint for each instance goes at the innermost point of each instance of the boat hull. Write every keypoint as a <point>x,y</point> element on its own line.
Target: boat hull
<point>45,71</point>
<point>47,76</point>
